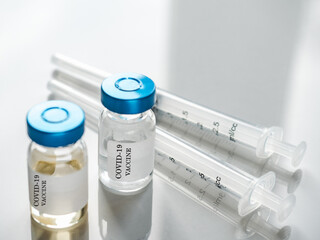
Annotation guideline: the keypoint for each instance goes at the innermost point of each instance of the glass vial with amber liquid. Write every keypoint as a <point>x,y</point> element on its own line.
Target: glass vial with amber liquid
<point>57,164</point>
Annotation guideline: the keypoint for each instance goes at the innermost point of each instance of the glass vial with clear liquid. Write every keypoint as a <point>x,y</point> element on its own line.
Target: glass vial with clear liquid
<point>57,164</point>
<point>127,133</point>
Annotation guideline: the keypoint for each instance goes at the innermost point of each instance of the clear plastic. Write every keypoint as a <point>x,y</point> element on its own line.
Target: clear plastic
<point>265,141</point>
<point>58,184</point>
<point>202,189</point>
<point>217,199</point>
<point>241,156</point>
<point>134,134</point>
<point>253,191</point>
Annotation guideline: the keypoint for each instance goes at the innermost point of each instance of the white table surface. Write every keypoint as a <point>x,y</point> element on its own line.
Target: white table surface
<point>259,61</point>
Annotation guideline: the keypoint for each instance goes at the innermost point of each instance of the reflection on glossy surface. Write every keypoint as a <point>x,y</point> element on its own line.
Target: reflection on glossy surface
<point>125,217</point>
<point>79,231</point>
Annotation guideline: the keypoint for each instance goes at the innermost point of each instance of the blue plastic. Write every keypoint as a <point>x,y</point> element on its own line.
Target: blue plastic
<point>128,93</point>
<point>55,123</point>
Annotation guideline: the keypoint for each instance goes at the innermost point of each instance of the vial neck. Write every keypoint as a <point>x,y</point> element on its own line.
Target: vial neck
<point>57,151</point>
<point>127,117</point>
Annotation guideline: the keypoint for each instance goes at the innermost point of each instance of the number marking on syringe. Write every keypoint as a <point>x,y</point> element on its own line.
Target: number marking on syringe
<point>172,176</point>
<point>174,122</point>
<point>185,113</point>
<point>203,177</point>
<point>173,172</point>
<point>201,128</point>
<point>215,129</point>
<point>199,125</point>
<point>196,184</point>
<point>177,166</point>
<point>188,180</point>
<point>229,132</point>
<point>198,134</point>
<point>202,191</point>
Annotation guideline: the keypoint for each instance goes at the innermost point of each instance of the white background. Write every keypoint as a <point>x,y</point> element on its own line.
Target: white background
<point>258,60</point>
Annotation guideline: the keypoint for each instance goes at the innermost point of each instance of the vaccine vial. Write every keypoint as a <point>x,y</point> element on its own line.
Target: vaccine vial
<point>57,164</point>
<point>127,133</point>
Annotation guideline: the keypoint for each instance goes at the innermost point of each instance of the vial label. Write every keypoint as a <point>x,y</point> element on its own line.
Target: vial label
<point>58,195</point>
<point>131,161</point>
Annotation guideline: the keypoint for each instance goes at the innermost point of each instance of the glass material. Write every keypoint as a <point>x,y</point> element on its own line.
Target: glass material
<point>126,128</point>
<point>56,164</point>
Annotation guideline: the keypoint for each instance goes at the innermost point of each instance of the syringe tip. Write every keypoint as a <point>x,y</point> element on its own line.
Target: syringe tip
<point>294,181</point>
<point>284,233</point>
<point>298,154</point>
<point>286,207</point>
<point>55,74</point>
<point>55,57</point>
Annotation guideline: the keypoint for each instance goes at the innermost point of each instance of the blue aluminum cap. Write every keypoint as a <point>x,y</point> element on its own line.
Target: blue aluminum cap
<point>55,123</point>
<point>128,93</point>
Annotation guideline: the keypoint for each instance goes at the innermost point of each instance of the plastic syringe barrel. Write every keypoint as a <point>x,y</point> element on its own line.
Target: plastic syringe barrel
<point>265,140</point>
<point>243,157</point>
<point>217,199</point>
<point>91,87</point>
<point>239,182</point>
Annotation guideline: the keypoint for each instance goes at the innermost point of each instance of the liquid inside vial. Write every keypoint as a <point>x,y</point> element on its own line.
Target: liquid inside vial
<point>127,133</point>
<point>58,181</point>
<point>126,151</point>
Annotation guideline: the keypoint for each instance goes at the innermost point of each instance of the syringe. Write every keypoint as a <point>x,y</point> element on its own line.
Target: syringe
<point>217,199</point>
<point>265,141</point>
<point>253,191</point>
<point>202,189</point>
<point>240,156</point>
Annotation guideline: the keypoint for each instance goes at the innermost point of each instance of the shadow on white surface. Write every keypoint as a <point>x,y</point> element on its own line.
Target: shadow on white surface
<point>234,56</point>
<point>125,217</point>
